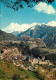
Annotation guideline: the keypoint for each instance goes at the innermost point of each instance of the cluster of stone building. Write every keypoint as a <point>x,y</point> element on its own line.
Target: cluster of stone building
<point>16,55</point>
<point>39,61</point>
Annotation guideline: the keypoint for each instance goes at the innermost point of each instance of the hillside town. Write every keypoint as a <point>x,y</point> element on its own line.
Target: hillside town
<point>20,58</point>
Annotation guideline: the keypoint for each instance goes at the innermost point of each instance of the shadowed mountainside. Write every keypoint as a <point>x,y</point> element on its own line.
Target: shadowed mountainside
<point>7,36</point>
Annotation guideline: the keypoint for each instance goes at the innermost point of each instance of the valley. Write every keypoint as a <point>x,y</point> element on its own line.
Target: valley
<point>31,53</point>
<point>27,39</point>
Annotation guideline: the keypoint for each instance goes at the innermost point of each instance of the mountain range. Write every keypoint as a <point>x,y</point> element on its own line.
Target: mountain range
<point>44,32</point>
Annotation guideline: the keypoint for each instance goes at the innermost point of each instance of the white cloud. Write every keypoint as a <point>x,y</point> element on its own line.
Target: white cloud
<point>52,23</point>
<point>17,27</point>
<point>23,27</point>
<point>44,7</point>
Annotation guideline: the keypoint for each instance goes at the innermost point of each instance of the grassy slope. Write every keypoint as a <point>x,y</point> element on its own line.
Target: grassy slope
<point>8,71</point>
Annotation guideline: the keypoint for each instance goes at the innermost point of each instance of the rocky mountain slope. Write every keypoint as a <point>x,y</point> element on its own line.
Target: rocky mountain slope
<point>7,36</point>
<point>46,33</point>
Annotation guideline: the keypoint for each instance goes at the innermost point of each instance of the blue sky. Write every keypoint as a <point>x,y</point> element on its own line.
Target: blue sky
<point>27,17</point>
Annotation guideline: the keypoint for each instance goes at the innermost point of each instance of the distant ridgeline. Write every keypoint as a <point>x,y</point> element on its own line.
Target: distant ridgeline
<point>7,36</point>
